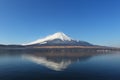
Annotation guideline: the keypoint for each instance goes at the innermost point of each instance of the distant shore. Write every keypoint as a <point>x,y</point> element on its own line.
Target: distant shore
<point>59,48</point>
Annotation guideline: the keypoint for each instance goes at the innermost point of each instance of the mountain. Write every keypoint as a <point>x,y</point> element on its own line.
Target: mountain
<point>59,38</point>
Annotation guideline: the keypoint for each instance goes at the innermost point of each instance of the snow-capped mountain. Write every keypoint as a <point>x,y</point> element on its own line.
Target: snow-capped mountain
<point>58,38</point>
<point>58,35</point>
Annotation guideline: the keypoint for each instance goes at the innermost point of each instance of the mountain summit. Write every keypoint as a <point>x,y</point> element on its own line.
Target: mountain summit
<point>58,38</point>
<point>58,35</point>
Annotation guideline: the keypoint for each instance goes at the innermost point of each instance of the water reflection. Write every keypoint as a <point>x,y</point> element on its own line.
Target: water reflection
<point>58,66</point>
<point>54,60</point>
<point>57,61</point>
<point>54,65</point>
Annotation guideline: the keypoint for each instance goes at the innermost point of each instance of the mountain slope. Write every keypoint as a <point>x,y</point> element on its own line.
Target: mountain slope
<point>58,38</point>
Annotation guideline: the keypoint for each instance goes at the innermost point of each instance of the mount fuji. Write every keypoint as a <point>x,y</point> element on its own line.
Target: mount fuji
<point>59,39</point>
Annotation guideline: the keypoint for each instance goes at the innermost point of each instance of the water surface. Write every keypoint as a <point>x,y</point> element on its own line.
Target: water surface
<point>59,66</point>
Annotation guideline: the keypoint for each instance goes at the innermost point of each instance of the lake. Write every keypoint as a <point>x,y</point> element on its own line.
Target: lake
<point>16,65</point>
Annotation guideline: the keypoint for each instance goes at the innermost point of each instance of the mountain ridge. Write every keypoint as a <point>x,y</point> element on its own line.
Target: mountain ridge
<point>59,38</point>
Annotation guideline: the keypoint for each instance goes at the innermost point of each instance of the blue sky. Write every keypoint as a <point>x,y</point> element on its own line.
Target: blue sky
<point>95,21</point>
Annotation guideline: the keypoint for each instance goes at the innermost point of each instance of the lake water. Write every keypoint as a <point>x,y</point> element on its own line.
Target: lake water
<point>42,66</point>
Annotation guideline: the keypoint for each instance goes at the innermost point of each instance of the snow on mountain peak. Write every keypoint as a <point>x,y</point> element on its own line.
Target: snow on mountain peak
<point>62,36</point>
<point>58,35</point>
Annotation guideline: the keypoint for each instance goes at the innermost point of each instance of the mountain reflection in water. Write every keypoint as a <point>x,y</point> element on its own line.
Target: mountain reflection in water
<point>55,65</point>
<point>57,61</point>
<point>58,66</point>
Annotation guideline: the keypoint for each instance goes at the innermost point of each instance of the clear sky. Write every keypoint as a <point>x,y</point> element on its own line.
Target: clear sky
<point>95,21</point>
